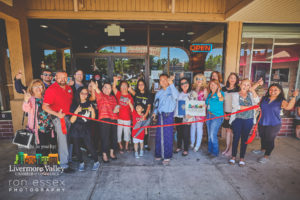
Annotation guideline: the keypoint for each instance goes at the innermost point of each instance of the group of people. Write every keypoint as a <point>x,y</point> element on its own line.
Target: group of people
<point>54,112</point>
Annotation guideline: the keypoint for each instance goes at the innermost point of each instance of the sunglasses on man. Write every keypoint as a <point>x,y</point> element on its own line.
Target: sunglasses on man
<point>44,74</point>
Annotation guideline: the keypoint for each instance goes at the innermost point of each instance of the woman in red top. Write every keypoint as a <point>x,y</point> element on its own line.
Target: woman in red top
<point>125,113</point>
<point>107,111</point>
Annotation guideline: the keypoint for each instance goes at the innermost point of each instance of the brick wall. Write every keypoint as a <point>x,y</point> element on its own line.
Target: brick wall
<point>287,127</point>
<point>6,129</point>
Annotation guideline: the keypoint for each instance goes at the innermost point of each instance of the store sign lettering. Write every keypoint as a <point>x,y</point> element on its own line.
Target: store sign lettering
<point>201,47</point>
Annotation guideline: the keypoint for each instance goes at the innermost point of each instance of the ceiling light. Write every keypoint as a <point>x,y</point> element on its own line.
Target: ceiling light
<point>181,40</point>
<point>122,39</point>
<point>190,33</point>
<point>162,34</point>
<point>166,26</point>
<point>85,46</point>
<point>43,26</point>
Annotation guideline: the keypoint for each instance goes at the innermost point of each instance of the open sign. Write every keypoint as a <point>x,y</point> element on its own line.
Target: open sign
<point>201,47</point>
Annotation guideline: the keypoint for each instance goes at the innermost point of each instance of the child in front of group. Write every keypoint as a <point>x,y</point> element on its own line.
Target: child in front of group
<point>138,138</point>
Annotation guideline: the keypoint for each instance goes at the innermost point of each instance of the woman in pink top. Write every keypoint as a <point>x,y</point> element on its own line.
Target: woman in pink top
<point>38,120</point>
<point>199,93</point>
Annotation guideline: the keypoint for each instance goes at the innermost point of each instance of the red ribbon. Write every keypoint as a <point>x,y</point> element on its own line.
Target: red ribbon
<point>177,124</point>
<point>63,125</point>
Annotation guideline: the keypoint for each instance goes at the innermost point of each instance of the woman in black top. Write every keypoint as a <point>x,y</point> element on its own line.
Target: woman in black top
<point>80,129</point>
<point>142,97</point>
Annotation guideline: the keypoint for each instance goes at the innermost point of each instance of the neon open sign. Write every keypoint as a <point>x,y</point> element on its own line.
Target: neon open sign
<point>201,47</point>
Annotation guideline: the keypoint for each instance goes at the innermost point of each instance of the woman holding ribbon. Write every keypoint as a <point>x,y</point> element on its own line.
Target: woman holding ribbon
<point>80,129</point>
<point>214,104</point>
<point>242,122</point>
<point>124,116</point>
<point>107,111</point>
<point>270,122</point>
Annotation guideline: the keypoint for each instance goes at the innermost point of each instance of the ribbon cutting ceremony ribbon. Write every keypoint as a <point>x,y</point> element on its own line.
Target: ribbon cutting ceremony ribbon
<point>63,125</point>
<point>177,124</point>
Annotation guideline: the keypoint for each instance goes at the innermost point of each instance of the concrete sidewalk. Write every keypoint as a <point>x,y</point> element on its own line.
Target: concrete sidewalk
<point>193,177</point>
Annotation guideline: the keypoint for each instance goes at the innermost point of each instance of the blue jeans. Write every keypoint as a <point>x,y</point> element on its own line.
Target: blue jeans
<point>212,133</point>
<point>241,129</point>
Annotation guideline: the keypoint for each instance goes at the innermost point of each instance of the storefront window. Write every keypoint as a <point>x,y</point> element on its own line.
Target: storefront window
<point>285,63</point>
<point>272,55</point>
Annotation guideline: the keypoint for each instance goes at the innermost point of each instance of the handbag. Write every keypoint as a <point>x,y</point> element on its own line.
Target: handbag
<point>25,137</point>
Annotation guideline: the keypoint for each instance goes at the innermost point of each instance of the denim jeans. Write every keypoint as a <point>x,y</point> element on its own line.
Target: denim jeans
<point>212,133</point>
<point>241,130</point>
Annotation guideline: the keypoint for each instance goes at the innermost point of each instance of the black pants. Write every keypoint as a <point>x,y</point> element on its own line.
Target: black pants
<point>267,137</point>
<point>146,138</point>
<point>88,143</point>
<point>108,133</point>
<point>183,134</point>
<point>44,146</point>
<point>95,129</point>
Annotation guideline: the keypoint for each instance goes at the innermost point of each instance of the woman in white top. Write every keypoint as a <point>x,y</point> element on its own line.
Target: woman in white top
<point>242,122</point>
<point>183,131</point>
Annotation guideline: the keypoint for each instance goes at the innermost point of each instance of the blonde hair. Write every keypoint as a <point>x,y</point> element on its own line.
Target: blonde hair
<point>215,82</point>
<point>204,84</point>
<point>33,83</point>
<point>246,79</point>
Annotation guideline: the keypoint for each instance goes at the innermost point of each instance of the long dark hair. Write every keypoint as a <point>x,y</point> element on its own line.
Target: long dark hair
<point>280,96</point>
<point>77,95</point>
<point>236,85</point>
<point>190,87</point>
<point>146,91</point>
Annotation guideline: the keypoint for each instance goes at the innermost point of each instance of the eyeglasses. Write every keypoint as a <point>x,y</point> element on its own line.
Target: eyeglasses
<point>199,79</point>
<point>84,93</point>
<point>47,74</point>
<point>184,83</point>
<point>39,86</point>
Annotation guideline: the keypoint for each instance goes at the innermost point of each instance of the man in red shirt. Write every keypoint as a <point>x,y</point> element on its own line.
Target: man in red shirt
<point>57,101</point>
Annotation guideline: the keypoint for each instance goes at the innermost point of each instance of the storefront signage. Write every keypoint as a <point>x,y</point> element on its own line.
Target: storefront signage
<point>201,47</point>
<point>154,51</point>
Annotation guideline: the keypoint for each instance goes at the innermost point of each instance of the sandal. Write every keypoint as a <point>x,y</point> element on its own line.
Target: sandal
<point>185,153</point>
<point>177,150</point>
<point>166,162</point>
<point>242,163</point>
<point>231,161</point>
<point>157,159</point>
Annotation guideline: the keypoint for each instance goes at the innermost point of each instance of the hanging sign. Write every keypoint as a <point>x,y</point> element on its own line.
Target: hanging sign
<point>201,47</point>
<point>154,51</point>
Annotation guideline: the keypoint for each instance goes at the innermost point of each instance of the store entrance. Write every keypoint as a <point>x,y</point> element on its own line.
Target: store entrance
<point>127,65</point>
